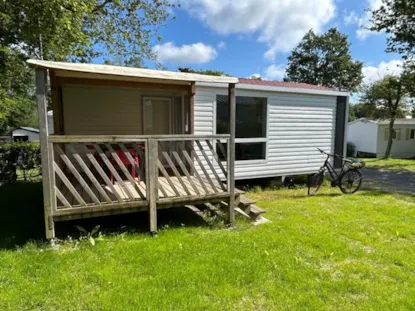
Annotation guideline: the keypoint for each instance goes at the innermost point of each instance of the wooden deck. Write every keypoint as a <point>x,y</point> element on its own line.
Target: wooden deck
<point>167,189</point>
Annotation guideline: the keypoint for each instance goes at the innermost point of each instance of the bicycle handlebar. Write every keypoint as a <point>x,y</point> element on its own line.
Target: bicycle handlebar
<point>334,155</point>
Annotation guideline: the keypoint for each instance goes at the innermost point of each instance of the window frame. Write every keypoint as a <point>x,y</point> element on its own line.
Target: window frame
<point>397,134</point>
<point>246,140</point>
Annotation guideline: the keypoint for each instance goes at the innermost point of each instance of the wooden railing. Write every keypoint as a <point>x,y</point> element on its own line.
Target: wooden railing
<point>96,172</point>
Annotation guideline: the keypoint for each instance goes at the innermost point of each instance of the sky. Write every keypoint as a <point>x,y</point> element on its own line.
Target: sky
<point>255,37</point>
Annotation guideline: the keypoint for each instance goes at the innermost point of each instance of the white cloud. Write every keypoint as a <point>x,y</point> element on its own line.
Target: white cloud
<point>280,24</point>
<point>221,45</point>
<point>372,74</point>
<point>255,76</point>
<point>351,18</point>
<point>197,53</point>
<point>274,72</point>
<point>363,21</point>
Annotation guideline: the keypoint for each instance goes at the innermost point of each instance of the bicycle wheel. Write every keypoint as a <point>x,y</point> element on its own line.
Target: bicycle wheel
<point>315,182</point>
<point>350,181</point>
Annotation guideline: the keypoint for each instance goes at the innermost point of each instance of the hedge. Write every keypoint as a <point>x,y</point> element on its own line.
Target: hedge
<point>22,157</point>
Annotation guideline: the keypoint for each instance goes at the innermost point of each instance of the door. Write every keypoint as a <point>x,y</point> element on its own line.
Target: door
<point>156,116</point>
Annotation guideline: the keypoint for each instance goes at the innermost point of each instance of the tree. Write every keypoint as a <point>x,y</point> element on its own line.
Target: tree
<point>325,60</point>
<point>83,30</point>
<point>386,99</point>
<point>207,72</point>
<point>74,30</point>
<point>397,18</point>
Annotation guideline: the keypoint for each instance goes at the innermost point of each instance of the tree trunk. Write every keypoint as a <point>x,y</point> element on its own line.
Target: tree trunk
<point>390,138</point>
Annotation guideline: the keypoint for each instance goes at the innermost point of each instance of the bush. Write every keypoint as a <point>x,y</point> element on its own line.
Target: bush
<point>21,157</point>
<point>350,149</point>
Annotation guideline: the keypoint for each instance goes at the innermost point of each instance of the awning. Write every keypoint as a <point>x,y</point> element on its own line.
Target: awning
<point>108,72</point>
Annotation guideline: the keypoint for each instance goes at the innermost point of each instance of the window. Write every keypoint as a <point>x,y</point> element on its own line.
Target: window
<point>251,125</point>
<point>410,134</point>
<point>396,134</point>
<point>21,138</point>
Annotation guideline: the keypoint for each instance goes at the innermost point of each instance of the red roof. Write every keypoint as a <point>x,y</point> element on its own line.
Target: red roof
<point>294,85</point>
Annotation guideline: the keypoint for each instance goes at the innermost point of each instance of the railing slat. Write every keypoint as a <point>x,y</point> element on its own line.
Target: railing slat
<point>192,166</point>
<point>166,175</point>
<point>142,163</point>
<point>102,173</point>
<point>212,184</point>
<point>125,171</point>
<point>184,169</point>
<point>68,184</point>
<point>76,174</point>
<point>163,191</point>
<point>134,165</point>
<point>216,157</point>
<point>88,172</point>
<point>210,165</point>
<point>113,171</point>
<point>131,160</point>
<point>62,198</point>
<point>174,169</point>
<point>222,149</point>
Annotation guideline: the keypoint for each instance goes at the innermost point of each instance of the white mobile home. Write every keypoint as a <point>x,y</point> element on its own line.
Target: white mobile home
<point>130,139</point>
<point>279,125</point>
<point>25,134</point>
<point>371,136</point>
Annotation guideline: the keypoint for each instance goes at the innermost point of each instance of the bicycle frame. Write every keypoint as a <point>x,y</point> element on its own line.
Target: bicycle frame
<point>334,177</point>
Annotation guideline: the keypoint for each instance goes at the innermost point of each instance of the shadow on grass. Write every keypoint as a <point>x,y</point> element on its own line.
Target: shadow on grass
<point>22,220</point>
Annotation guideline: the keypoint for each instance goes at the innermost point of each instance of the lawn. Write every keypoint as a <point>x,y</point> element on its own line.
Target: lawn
<point>407,165</point>
<point>329,252</point>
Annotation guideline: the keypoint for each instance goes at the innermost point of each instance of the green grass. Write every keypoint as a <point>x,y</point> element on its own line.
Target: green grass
<point>329,252</point>
<point>407,165</point>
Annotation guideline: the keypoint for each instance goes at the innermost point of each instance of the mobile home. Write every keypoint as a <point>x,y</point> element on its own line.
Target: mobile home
<point>279,125</point>
<point>130,139</point>
<point>371,136</point>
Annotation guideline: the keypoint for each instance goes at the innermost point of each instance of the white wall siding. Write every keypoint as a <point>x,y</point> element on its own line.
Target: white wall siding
<point>297,126</point>
<point>364,135</point>
<point>401,148</point>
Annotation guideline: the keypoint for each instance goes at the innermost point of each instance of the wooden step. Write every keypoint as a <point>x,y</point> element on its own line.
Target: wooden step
<point>245,202</point>
<point>255,212</point>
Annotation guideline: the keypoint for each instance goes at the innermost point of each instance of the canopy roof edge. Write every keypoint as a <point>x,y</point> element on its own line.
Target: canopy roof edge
<point>118,72</point>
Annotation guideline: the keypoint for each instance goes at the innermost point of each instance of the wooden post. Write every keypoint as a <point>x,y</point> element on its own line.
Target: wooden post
<point>231,159</point>
<point>191,98</point>
<point>153,183</point>
<point>45,152</point>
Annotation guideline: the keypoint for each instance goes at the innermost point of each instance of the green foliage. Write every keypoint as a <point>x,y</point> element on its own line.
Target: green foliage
<point>397,18</point>
<point>207,72</point>
<point>115,31</point>
<point>325,60</point>
<point>23,156</point>
<point>385,99</point>
<point>91,237</point>
<point>17,103</point>
<point>83,30</point>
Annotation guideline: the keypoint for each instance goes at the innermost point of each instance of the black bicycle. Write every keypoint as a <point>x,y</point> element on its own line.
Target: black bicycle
<point>348,180</point>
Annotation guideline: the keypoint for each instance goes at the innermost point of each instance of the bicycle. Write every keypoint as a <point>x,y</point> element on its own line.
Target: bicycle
<point>349,180</point>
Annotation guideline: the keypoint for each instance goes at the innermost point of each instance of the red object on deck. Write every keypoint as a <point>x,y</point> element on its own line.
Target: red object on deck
<point>126,162</point>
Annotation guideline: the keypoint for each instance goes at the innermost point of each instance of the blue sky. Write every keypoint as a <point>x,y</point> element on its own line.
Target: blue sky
<point>247,37</point>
